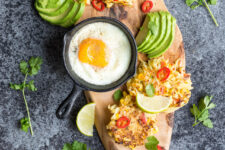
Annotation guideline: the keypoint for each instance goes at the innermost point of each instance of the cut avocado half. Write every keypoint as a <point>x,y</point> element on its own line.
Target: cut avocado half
<point>45,7</point>
<point>60,18</point>
<point>76,16</point>
<point>57,12</point>
<point>154,37</point>
<point>164,38</point>
<point>168,42</point>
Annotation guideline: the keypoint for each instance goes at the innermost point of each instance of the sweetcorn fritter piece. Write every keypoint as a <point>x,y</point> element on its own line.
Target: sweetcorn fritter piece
<point>138,126</point>
<point>178,84</point>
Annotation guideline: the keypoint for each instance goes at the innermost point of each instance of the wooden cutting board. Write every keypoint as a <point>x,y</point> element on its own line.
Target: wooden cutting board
<point>133,18</point>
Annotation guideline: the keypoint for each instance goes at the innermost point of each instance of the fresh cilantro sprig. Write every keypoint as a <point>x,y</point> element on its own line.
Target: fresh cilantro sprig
<point>201,114</point>
<point>75,146</point>
<point>29,68</point>
<point>152,26</point>
<point>193,4</point>
<point>152,143</point>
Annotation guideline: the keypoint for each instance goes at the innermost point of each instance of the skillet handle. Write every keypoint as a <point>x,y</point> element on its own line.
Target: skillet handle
<point>66,106</point>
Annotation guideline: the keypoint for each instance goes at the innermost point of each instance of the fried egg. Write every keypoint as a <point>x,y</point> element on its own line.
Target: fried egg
<point>100,53</point>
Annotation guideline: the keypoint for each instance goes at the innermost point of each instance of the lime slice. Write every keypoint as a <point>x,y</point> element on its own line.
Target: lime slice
<point>85,119</point>
<point>153,104</point>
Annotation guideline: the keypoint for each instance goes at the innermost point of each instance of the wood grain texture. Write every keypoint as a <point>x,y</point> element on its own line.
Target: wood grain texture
<point>133,18</point>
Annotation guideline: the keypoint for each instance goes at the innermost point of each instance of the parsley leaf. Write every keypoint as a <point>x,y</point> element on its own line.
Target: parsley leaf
<point>152,143</point>
<point>118,94</point>
<point>150,90</point>
<point>75,146</point>
<point>35,65</point>
<point>31,86</point>
<point>16,86</point>
<point>24,124</point>
<point>201,114</point>
<point>23,67</point>
<point>212,2</point>
<point>152,27</point>
<point>193,4</point>
<point>27,68</point>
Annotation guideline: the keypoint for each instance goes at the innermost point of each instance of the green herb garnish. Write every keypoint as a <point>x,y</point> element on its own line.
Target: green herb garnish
<point>152,143</point>
<point>75,146</point>
<point>193,4</point>
<point>201,114</point>
<point>29,68</point>
<point>117,95</point>
<point>152,27</point>
<point>150,90</point>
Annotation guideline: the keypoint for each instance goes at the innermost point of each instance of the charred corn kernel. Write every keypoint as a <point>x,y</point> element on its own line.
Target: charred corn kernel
<point>122,101</point>
<point>155,130</point>
<point>117,116</point>
<point>124,93</point>
<point>141,76</point>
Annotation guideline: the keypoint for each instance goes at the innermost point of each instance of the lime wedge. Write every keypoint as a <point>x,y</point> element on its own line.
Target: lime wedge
<point>153,104</point>
<point>85,119</point>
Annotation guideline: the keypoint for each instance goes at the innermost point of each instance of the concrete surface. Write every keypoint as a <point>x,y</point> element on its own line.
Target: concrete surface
<point>23,34</point>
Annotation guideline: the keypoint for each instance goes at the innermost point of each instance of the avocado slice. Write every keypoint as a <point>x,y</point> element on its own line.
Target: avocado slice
<point>146,30</point>
<point>49,5</point>
<point>165,36</point>
<point>153,37</point>
<point>168,42</point>
<point>76,16</point>
<point>73,11</point>
<point>163,31</point>
<point>60,18</point>
<point>57,12</point>
<point>150,36</point>
<point>144,33</point>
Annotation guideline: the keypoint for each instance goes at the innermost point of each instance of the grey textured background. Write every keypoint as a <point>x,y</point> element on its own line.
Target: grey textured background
<point>24,34</point>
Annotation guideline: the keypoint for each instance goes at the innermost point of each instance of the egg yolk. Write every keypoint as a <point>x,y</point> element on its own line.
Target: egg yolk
<point>93,52</point>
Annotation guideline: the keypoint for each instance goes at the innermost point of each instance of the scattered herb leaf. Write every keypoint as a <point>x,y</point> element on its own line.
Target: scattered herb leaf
<point>117,95</point>
<point>152,27</point>
<point>150,90</point>
<point>152,143</point>
<point>193,4</point>
<point>75,146</point>
<point>27,68</point>
<point>24,123</point>
<point>201,114</point>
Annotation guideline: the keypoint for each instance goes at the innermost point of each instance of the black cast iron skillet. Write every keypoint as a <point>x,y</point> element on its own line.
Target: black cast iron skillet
<point>79,84</point>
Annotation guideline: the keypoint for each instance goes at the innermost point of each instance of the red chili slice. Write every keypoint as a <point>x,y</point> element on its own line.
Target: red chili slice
<point>122,122</point>
<point>143,118</point>
<point>98,5</point>
<point>163,73</point>
<point>146,6</point>
<point>159,147</point>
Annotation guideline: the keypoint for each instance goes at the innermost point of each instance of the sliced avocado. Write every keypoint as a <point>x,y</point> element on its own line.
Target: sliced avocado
<point>45,6</point>
<point>165,36</point>
<point>145,30</point>
<point>168,42</point>
<point>57,12</point>
<point>143,34</point>
<point>165,25</point>
<point>154,37</point>
<point>60,18</point>
<point>76,16</point>
<point>73,11</point>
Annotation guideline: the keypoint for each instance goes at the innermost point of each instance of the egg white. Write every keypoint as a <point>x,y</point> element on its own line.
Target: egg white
<point>118,53</point>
